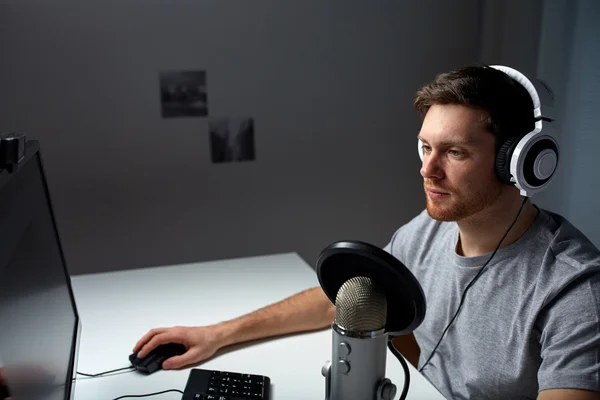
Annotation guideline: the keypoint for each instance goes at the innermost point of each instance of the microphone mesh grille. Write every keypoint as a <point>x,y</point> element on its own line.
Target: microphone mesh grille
<point>360,305</point>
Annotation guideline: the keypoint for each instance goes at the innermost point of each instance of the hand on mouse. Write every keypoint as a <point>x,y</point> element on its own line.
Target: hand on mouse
<point>200,343</point>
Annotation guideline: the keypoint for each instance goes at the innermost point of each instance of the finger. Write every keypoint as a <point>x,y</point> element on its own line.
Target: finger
<point>177,362</point>
<point>147,337</point>
<point>161,338</point>
<point>151,333</point>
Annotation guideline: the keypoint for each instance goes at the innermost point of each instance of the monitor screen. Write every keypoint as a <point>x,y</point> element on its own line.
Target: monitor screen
<point>39,324</point>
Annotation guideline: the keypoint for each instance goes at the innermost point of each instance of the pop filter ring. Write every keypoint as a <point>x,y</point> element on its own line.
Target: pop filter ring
<point>347,259</point>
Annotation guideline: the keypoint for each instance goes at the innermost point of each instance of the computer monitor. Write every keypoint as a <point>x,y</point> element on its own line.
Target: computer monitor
<point>39,322</point>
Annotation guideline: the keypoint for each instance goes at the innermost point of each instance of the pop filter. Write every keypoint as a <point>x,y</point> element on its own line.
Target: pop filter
<point>344,260</point>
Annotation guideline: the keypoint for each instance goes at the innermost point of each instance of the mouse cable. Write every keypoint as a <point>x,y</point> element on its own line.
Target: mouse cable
<point>462,299</point>
<point>149,394</point>
<point>131,367</point>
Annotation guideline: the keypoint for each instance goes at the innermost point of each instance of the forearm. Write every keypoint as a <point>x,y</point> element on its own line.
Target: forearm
<point>305,311</point>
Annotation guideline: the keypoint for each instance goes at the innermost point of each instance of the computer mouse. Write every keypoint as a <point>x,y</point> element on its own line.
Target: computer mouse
<point>152,362</point>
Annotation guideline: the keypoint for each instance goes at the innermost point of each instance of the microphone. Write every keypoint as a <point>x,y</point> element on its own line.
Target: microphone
<point>376,297</point>
<point>357,369</point>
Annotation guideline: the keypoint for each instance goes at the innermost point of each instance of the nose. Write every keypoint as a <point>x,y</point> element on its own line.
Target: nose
<point>431,167</point>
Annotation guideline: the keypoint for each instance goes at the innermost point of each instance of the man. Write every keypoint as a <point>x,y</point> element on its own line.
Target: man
<point>528,326</point>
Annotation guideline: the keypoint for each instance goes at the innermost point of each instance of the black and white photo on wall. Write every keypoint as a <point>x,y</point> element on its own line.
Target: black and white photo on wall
<point>231,139</point>
<point>183,94</point>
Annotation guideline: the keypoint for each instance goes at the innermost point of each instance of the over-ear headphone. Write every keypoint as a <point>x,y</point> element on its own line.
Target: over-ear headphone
<point>527,161</point>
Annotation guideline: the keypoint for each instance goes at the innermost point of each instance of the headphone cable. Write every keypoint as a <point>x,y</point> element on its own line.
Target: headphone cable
<point>471,283</point>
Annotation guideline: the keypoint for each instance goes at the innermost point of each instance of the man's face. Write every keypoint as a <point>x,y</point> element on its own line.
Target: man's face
<point>458,163</point>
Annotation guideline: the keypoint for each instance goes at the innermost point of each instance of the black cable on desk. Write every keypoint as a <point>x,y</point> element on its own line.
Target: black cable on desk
<point>129,395</point>
<point>131,367</point>
<point>404,367</point>
<point>150,394</point>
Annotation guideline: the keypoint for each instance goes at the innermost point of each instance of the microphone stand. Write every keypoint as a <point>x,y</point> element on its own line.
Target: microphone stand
<point>326,372</point>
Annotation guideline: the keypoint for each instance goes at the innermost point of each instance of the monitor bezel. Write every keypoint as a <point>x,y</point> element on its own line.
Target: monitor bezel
<point>33,154</point>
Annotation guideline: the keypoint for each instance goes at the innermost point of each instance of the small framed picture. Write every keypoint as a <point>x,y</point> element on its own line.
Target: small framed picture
<point>231,139</point>
<point>183,94</point>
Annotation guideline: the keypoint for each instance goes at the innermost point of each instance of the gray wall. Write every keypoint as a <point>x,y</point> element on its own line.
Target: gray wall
<point>510,33</point>
<point>330,85</point>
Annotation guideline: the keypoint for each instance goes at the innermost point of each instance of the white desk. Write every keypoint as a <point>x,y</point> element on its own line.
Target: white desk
<point>117,308</point>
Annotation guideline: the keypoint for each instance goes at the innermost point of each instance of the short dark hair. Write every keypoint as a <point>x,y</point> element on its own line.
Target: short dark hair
<point>507,104</point>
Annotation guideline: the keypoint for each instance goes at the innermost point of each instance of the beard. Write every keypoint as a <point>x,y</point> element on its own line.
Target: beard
<point>462,204</point>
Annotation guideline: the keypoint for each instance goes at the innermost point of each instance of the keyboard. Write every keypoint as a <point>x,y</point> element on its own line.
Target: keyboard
<point>203,384</point>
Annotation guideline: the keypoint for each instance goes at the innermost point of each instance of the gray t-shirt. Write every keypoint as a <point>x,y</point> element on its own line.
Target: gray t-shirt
<point>530,322</point>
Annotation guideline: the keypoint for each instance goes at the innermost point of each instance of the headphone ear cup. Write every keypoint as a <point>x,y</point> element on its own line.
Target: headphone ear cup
<point>420,149</point>
<point>503,160</point>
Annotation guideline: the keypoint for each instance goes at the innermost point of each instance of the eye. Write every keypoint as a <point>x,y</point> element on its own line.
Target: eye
<point>426,148</point>
<point>456,153</point>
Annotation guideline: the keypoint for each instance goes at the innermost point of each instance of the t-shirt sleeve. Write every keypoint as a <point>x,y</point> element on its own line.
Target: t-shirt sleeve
<point>388,247</point>
<point>405,239</point>
<point>570,337</point>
